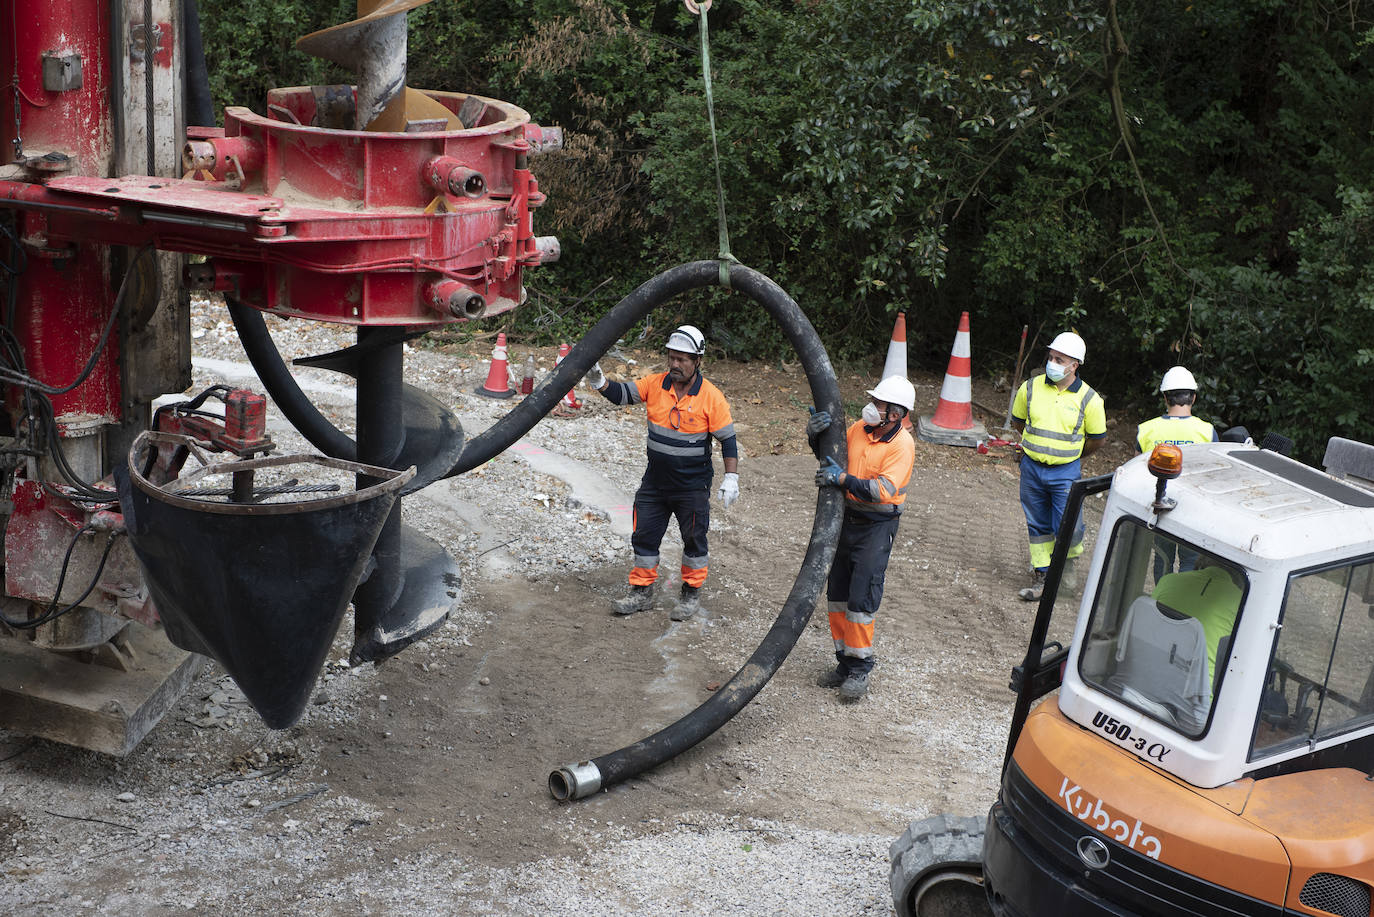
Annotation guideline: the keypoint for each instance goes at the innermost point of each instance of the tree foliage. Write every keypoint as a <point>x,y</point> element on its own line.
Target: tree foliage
<point>1180,182</point>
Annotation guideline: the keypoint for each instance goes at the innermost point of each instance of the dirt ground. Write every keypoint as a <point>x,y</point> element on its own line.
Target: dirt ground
<point>420,786</point>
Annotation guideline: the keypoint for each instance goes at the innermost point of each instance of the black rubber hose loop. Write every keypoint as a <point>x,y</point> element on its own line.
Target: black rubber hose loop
<point>578,781</point>
<point>581,780</point>
<point>648,296</point>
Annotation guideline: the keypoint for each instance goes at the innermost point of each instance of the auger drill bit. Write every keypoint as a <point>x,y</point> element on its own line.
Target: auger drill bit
<point>374,47</point>
<point>412,583</point>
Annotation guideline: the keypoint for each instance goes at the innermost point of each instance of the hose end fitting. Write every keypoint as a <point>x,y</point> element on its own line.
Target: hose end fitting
<point>575,781</point>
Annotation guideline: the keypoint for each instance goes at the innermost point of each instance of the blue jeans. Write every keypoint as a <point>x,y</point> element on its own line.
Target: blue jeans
<point>1044,492</point>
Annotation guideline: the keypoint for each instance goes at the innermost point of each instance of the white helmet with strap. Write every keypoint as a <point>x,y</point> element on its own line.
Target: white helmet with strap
<point>895,390</point>
<point>687,339</point>
<point>1178,379</point>
<point>1070,345</point>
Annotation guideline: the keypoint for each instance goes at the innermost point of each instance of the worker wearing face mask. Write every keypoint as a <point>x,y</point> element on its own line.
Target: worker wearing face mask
<point>881,456</point>
<point>1061,420</point>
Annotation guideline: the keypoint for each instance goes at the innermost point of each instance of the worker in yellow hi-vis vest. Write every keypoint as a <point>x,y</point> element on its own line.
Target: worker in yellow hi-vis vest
<point>1179,427</point>
<point>1176,425</point>
<point>1061,419</point>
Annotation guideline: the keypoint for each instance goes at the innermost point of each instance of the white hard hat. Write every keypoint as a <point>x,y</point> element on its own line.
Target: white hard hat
<point>1070,345</point>
<point>895,390</point>
<point>1178,379</point>
<point>688,339</point>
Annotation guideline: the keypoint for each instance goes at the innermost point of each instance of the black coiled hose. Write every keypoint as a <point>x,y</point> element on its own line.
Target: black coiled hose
<point>579,780</point>
<point>576,781</point>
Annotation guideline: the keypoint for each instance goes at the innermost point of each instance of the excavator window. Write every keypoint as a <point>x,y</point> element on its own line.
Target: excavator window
<point>1320,681</point>
<point>1159,635</point>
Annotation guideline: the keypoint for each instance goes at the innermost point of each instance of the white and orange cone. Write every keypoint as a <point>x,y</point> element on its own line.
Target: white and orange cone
<point>569,400</point>
<point>895,365</point>
<point>896,349</point>
<point>953,423</point>
<point>498,376</point>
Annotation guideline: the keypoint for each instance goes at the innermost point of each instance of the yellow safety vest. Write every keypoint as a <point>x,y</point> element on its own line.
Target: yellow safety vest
<point>1179,431</point>
<point>1057,422</point>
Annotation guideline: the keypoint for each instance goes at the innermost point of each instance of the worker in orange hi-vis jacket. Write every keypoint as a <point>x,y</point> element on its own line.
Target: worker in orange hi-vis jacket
<point>685,413</point>
<point>881,456</point>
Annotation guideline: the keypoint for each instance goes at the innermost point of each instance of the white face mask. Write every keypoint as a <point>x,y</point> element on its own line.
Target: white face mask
<point>1054,371</point>
<point>871,415</point>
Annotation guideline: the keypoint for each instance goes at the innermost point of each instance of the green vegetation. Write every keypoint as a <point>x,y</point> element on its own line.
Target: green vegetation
<point>1180,182</point>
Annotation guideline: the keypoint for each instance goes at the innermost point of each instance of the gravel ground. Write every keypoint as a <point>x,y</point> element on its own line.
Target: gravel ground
<point>417,787</point>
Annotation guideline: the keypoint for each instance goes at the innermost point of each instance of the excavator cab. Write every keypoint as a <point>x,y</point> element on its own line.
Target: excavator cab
<point>1156,630</point>
<point>1204,743</point>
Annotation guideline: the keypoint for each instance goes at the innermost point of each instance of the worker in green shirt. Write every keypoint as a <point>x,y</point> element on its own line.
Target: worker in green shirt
<point>1209,594</point>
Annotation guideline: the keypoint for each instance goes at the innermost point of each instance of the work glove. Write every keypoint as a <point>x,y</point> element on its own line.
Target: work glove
<point>595,377</point>
<point>729,489</point>
<point>816,424</point>
<point>828,475</point>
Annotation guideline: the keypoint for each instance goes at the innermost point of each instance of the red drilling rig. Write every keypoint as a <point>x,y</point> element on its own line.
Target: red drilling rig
<point>137,541</point>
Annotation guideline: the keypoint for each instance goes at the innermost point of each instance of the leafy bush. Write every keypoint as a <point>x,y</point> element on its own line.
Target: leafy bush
<point>1180,182</point>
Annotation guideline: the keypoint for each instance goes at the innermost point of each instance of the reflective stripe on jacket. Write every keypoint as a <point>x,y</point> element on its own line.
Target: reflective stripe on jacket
<point>1057,422</point>
<point>1179,431</point>
<point>879,470</point>
<point>680,430</point>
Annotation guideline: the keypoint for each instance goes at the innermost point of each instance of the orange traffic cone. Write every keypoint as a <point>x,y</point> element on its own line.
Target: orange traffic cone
<point>895,365</point>
<point>570,399</point>
<point>896,349</point>
<point>527,383</point>
<point>498,376</point>
<point>953,423</point>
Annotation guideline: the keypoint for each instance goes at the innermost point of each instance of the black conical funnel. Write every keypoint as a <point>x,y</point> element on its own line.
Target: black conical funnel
<point>261,587</point>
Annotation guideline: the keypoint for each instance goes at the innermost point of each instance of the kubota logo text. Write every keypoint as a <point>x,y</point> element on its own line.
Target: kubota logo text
<point>1086,809</point>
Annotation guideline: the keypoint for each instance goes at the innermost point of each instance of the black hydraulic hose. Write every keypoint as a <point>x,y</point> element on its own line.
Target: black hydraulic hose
<point>281,385</point>
<point>576,781</point>
<point>200,108</point>
<point>501,435</point>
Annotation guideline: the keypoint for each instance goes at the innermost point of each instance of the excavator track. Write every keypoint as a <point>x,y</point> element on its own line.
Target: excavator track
<point>937,868</point>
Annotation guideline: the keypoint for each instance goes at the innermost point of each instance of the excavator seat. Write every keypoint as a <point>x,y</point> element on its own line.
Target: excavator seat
<point>1162,665</point>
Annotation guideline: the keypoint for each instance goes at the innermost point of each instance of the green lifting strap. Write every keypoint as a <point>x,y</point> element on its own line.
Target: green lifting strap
<point>725,257</point>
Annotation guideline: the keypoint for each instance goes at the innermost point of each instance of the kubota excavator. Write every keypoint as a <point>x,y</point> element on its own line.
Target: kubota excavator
<point>1208,747</point>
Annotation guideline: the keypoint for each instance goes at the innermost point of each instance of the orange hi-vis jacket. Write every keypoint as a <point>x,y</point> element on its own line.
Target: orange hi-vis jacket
<point>680,430</point>
<point>879,470</point>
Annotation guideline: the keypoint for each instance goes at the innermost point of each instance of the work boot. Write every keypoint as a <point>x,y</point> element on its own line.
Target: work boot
<point>688,603</point>
<point>641,598</point>
<point>1036,589</point>
<point>855,686</point>
<point>1068,580</point>
<point>831,678</point>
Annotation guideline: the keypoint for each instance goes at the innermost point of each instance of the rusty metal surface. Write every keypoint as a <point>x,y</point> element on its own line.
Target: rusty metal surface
<point>37,535</point>
<point>342,226</point>
<point>93,706</point>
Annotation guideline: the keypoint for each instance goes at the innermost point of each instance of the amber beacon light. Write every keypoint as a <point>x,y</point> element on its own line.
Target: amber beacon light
<point>1165,463</point>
